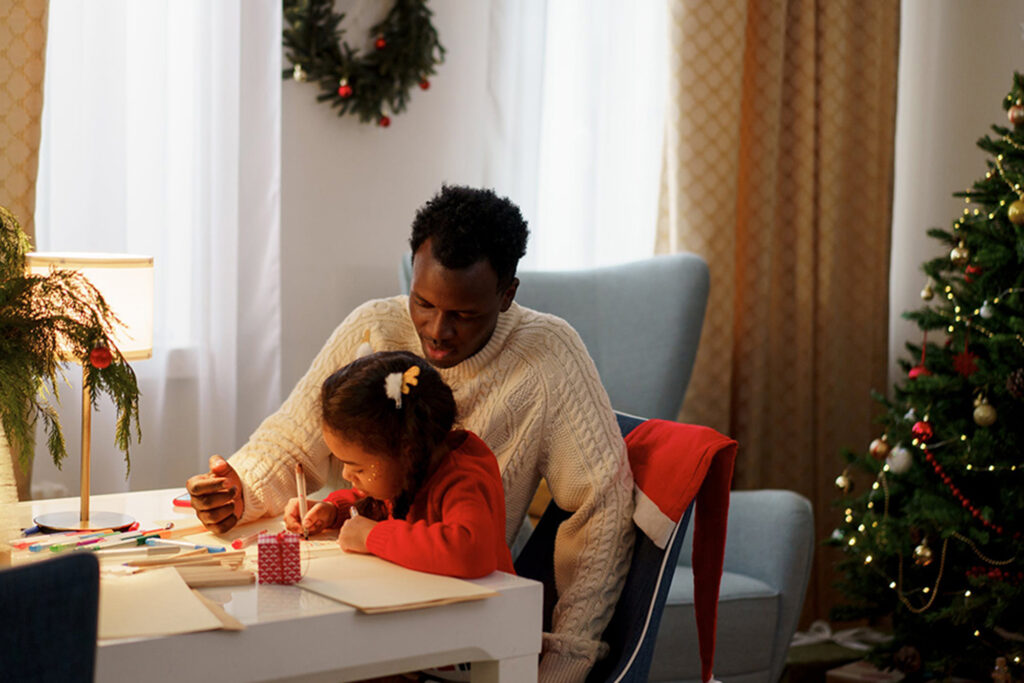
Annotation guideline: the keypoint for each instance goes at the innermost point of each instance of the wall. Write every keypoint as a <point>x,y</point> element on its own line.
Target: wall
<point>956,66</point>
<point>350,190</point>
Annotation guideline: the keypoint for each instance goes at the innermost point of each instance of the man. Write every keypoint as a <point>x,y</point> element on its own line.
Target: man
<point>523,382</point>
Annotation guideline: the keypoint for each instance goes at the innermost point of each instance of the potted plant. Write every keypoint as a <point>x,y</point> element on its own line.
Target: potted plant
<point>46,320</point>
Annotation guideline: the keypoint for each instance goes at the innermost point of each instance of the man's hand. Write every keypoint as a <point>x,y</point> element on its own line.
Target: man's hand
<point>352,537</point>
<point>321,516</point>
<point>217,496</point>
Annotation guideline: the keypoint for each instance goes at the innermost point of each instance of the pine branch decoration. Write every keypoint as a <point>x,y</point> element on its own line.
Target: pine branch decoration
<point>42,318</point>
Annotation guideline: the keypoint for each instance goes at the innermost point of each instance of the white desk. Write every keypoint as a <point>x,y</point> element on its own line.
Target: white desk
<point>292,634</point>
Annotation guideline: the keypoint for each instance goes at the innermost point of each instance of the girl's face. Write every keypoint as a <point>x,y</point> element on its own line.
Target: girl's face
<point>371,474</point>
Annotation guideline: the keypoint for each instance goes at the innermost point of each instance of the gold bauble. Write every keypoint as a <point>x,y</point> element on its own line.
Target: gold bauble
<point>843,483</point>
<point>1016,212</point>
<point>923,555</point>
<point>960,254</point>
<point>879,448</point>
<point>984,415</point>
<point>927,293</point>
<point>299,74</point>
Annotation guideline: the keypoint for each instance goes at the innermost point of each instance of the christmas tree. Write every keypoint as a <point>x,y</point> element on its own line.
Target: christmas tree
<point>933,545</point>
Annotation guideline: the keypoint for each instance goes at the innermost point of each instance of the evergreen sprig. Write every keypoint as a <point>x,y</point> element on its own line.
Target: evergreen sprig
<point>45,320</point>
<point>381,79</point>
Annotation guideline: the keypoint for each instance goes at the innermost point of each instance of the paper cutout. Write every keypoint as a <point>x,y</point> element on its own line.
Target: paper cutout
<point>373,585</point>
<point>152,603</point>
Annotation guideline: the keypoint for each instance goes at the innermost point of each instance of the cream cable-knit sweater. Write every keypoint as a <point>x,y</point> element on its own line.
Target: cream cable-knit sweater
<point>533,395</point>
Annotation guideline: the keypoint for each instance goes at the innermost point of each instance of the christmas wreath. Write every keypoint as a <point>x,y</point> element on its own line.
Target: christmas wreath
<point>406,51</point>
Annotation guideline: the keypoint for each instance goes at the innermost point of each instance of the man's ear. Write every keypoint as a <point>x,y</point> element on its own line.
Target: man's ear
<point>509,294</point>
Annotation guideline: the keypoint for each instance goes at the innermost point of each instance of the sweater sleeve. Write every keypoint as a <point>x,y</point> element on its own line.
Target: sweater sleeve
<point>588,473</point>
<point>460,542</point>
<point>266,463</point>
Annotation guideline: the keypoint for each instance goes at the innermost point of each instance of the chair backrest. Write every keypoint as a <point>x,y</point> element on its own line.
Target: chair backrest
<point>640,321</point>
<point>634,625</point>
<point>50,609</point>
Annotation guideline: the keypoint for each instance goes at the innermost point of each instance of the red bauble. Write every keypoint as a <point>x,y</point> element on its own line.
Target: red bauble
<point>970,271</point>
<point>1016,114</point>
<point>424,84</point>
<point>383,122</point>
<point>918,371</point>
<point>922,430</point>
<point>345,90</point>
<point>381,43</point>
<point>100,357</point>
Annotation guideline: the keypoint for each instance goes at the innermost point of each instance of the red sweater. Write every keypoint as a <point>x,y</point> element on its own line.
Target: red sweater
<point>455,525</point>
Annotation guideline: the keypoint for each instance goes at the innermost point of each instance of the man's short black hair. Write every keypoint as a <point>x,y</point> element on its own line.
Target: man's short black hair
<point>466,224</point>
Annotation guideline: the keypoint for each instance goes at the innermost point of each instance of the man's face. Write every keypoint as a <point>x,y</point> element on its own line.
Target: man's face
<point>454,311</point>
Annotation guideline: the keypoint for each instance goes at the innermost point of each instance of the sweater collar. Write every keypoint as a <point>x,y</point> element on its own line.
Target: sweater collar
<point>507,321</point>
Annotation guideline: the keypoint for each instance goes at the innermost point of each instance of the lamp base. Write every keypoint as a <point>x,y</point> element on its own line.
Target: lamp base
<point>72,521</point>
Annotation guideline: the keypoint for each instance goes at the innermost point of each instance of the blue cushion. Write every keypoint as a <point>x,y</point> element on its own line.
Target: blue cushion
<point>748,605</point>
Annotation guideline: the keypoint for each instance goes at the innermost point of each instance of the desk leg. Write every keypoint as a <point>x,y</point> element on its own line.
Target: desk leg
<point>513,669</point>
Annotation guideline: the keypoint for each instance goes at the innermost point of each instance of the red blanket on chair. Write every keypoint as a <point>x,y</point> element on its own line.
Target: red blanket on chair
<point>672,464</point>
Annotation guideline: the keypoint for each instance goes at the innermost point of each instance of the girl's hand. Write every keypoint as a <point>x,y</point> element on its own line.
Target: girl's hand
<point>352,537</point>
<point>321,516</point>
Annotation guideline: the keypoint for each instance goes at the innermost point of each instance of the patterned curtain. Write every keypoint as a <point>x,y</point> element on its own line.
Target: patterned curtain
<point>22,53</point>
<point>778,170</point>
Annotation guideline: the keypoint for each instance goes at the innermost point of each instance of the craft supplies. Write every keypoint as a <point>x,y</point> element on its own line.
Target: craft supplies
<point>300,488</point>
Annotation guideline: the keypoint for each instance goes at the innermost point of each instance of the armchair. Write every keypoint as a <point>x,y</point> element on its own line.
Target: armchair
<point>768,553</point>
<point>640,322</point>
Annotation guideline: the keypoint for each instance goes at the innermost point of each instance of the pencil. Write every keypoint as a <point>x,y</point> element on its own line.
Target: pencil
<point>300,487</point>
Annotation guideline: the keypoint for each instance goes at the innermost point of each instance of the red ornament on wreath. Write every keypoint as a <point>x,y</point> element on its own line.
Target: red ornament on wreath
<point>100,357</point>
<point>922,430</point>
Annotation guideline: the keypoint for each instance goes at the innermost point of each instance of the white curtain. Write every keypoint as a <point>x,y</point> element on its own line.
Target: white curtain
<point>161,136</point>
<point>577,104</point>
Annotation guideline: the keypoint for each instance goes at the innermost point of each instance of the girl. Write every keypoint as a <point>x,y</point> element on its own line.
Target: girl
<point>424,495</point>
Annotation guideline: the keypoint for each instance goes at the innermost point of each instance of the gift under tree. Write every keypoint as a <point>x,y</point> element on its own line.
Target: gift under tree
<point>933,542</point>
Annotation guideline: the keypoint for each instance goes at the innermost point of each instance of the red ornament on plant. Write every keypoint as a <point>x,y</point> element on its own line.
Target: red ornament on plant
<point>100,357</point>
<point>970,271</point>
<point>965,363</point>
<point>383,121</point>
<point>424,84</point>
<point>344,89</point>
<point>381,43</point>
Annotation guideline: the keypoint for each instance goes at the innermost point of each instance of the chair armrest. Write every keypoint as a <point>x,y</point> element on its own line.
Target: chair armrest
<point>770,537</point>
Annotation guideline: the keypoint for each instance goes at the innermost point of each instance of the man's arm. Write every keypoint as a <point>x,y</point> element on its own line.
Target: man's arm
<point>259,478</point>
<point>588,473</point>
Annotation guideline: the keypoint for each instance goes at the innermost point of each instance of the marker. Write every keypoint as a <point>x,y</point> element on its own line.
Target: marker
<point>100,541</point>
<point>142,549</point>
<point>34,529</point>
<point>300,487</point>
<point>246,541</point>
<point>183,544</point>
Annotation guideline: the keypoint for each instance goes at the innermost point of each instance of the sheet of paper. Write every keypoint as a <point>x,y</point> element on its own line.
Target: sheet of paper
<point>152,603</point>
<point>371,584</point>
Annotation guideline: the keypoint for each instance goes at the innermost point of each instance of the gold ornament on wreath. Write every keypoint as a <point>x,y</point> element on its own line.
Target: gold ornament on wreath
<point>405,53</point>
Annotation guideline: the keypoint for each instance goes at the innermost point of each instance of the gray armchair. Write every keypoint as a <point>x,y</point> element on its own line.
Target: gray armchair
<point>640,321</point>
<point>768,553</point>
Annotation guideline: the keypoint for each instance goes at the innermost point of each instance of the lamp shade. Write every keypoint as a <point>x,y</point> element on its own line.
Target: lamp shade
<point>126,283</point>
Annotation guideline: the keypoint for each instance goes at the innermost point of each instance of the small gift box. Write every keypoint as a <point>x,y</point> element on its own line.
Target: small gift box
<point>277,560</point>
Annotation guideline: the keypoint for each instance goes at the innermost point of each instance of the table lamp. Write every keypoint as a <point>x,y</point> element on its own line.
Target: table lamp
<point>126,283</point>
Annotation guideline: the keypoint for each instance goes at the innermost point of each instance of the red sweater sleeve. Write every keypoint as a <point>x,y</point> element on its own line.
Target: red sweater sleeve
<point>343,499</point>
<point>456,525</point>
